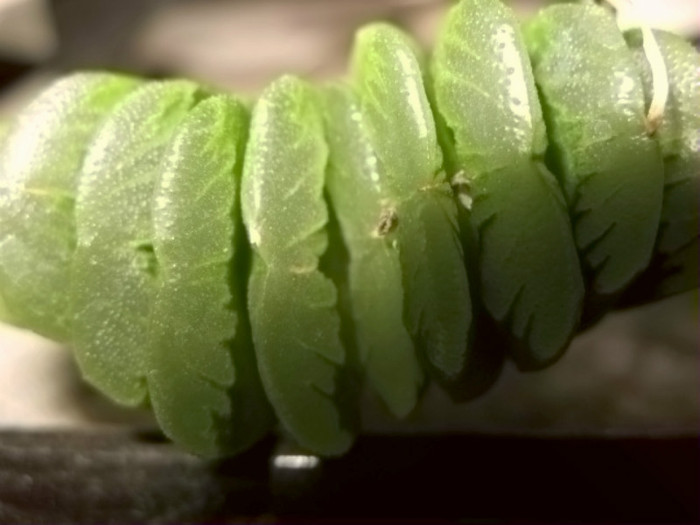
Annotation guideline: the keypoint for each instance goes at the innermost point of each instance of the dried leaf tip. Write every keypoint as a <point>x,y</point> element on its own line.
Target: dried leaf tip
<point>461,187</point>
<point>388,219</point>
<point>628,17</point>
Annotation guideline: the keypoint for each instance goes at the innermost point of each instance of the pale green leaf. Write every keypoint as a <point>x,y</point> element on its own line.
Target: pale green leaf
<point>527,267</point>
<point>114,267</point>
<point>40,161</point>
<point>610,170</point>
<point>292,305</point>
<point>400,127</point>
<point>203,381</point>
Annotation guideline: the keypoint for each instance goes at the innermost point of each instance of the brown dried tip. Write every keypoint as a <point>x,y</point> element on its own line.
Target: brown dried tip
<point>388,219</point>
<point>460,185</point>
<point>627,11</point>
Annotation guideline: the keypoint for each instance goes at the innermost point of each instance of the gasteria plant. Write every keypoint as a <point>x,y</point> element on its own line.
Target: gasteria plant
<point>420,221</point>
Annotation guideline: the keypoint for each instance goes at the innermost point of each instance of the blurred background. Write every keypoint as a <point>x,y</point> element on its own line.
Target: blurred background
<point>636,373</point>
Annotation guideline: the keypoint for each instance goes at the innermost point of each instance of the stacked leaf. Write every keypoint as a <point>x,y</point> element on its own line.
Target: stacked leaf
<point>609,168</point>
<point>528,270</point>
<point>674,265</point>
<point>292,304</point>
<point>235,269</point>
<point>41,159</point>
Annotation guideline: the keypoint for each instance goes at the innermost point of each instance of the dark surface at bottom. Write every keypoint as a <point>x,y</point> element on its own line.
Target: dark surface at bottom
<point>11,70</point>
<point>137,478</point>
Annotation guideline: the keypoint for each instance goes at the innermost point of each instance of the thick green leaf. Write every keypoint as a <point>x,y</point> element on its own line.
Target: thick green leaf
<point>39,165</point>
<point>674,267</point>
<point>529,276</point>
<point>203,381</point>
<point>480,71</point>
<point>292,305</point>
<point>399,123</point>
<point>610,170</point>
<point>114,266</point>
<point>401,130</point>
<point>360,196</point>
